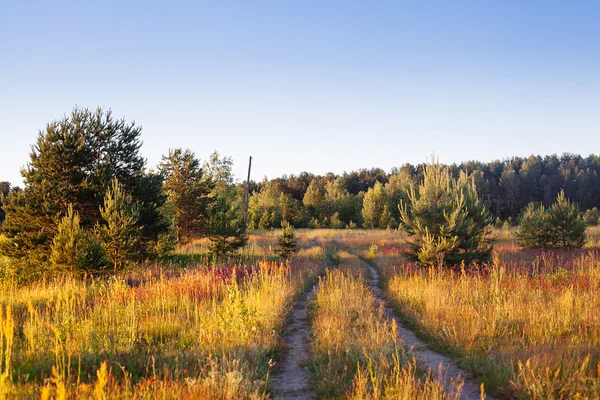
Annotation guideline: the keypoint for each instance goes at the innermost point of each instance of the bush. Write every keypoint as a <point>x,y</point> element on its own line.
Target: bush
<point>534,231</point>
<point>67,242</point>
<point>335,222</point>
<point>120,232</point>
<point>287,244</point>
<point>226,228</point>
<point>559,226</point>
<point>75,250</point>
<point>591,217</point>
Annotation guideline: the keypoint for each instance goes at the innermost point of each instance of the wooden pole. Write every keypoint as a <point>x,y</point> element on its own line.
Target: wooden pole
<point>247,195</point>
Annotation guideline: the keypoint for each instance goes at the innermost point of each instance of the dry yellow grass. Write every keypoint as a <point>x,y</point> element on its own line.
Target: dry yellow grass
<point>204,332</point>
<point>357,353</point>
<point>527,323</point>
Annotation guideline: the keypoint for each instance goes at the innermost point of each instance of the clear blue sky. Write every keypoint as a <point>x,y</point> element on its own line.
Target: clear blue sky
<point>308,85</point>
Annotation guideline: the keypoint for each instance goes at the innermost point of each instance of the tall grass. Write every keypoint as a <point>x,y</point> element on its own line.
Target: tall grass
<point>356,352</point>
<point>202,332</point>
<point>527,323</point>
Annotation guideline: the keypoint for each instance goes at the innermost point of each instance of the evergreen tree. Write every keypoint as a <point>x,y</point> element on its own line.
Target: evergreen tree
<point>67,243</point>
<point>287,244</point>
<point>534,228</point>
<point>188,193</point>
<point>567,226</point>
<point>75,250</point>
<point>120,232</point>
<point>558,226</point>
<point>591,216</point>
<point>446,220</point>
<point>475,228</point>
<point>226,225</point>
<point>225,216</point>
<point>73,162</point>
<point>4,190</point>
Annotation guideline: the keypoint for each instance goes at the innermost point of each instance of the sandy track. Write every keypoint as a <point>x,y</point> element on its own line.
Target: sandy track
<point>427,358</point>
<point>290,379</point>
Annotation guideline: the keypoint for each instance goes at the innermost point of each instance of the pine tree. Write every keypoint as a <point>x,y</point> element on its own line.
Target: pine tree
<point>287,244</point>
<point>4,191</point>
<point>73,162</point>
<point>567,226</point>
<point>226,230</point>
<point>188,193</point>
<point>73,249</point>
<point>225,218</point>
<point>558,226</point>
<point>475,229</point>
<point>67,243</point>
<point>120,232</point>
<point>534,228</point>
<point>446,220</point>
<point>591,216</point>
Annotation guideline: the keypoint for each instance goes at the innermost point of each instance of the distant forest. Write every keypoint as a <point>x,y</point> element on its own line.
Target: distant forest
<point>369,198</point>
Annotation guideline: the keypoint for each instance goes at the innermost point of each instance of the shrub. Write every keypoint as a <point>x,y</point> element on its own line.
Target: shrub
<point>120,234</point>
<point>67,242</point>
<point>591,217</point>
<point>75,250</point>
<point>287,244</point>
<point>558,226</point>
<point>226,229</point>
<point>335,222</point>
<point>533,227</point>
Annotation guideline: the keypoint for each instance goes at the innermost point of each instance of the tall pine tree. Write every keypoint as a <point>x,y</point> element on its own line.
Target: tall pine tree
<point>188,192</point>
<point>73,162</point>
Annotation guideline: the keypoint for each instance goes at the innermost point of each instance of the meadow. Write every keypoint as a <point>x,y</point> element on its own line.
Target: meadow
<point>526,324</point>
<point>161,331</point>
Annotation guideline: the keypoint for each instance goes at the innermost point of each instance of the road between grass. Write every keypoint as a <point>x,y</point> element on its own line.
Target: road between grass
<point>291,380</point>
<point>427,358</point>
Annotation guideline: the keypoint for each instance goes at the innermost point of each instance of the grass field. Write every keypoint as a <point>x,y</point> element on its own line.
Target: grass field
<point>195,332</point>
<point>526,324</point>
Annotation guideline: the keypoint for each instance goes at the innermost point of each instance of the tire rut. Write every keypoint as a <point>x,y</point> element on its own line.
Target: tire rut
<point>290,379</point>
<point>427,358</point>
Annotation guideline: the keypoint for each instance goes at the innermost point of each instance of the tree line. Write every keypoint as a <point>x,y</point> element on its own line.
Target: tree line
<point>89,202</point>
<point>369,198</point>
